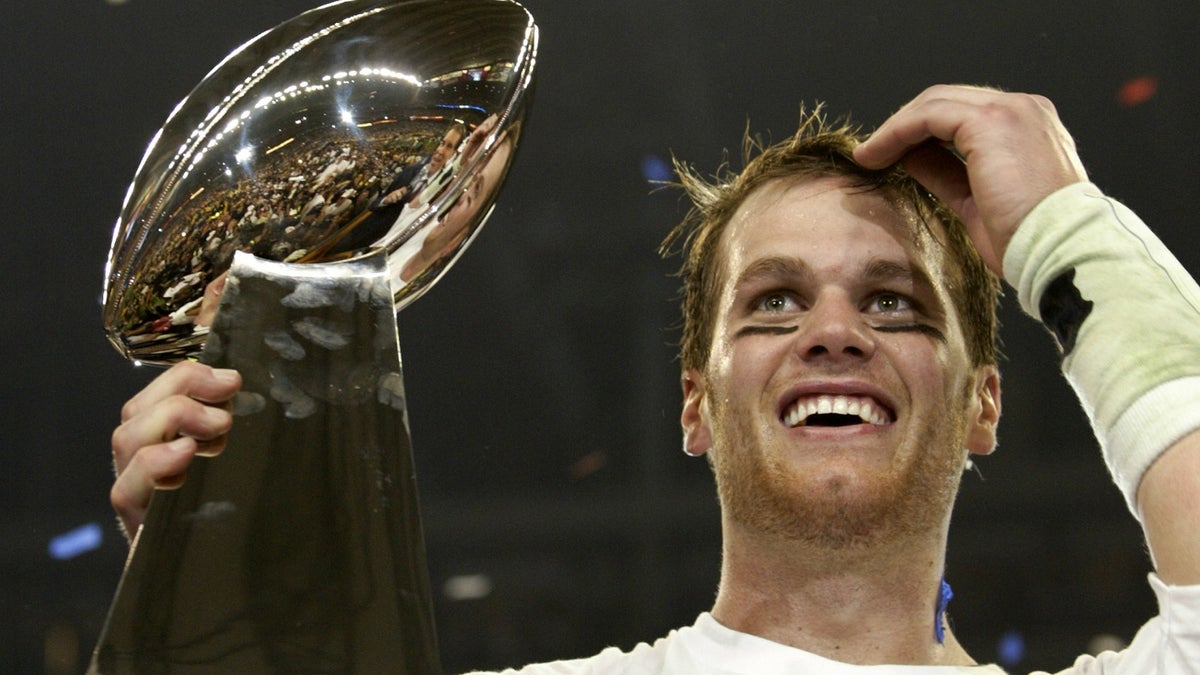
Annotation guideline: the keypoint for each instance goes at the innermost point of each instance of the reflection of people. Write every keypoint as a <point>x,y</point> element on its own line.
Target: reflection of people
<point>409,182</point>
<point>450,229</point>
<point>839,368</point>
<point>211,300</point>
<point>454,226</point>
<point>407,186</point>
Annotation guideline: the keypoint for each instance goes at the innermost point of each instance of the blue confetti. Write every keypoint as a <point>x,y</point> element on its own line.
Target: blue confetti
<point>76,542</point>
<point>939,615</point>
<point>1010,649</point>
<point>655,169</point>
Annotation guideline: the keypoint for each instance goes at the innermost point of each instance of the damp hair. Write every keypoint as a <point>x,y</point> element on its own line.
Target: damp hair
<point>820,148</point>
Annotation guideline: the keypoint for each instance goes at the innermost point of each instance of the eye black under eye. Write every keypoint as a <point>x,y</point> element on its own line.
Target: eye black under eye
<point>913,328</point>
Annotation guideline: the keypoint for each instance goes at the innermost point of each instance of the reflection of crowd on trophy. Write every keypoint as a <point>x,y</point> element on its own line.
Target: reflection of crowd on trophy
<point>416,185</point>
<point>329,197</point>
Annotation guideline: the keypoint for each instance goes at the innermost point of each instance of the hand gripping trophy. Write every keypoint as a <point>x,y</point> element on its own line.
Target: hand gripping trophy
<point>320,178</point>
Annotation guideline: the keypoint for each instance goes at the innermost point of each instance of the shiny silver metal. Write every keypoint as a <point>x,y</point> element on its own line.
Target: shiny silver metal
<point>323,176</point>
<point>299,548</point>
<point>318,141</point>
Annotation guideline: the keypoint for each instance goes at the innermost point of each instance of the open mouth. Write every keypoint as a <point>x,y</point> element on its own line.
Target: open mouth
<point>836,411</point>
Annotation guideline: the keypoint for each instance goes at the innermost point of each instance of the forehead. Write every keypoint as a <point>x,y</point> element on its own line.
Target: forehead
<point>823,219</point>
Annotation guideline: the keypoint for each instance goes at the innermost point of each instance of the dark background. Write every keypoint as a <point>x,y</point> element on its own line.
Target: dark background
<point>541,374</point>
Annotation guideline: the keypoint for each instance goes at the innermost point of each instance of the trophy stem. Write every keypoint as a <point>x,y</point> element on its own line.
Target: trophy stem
<point>300,547</point>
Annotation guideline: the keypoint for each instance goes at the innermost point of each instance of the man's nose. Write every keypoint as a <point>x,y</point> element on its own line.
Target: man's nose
<point>834,329</point>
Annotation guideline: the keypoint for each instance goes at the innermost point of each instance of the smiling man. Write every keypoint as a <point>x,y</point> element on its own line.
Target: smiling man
<point>839,368</point>
<point>836,390</point>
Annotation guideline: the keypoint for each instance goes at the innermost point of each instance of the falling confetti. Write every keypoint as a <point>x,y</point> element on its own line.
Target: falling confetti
<point>1137,91</point>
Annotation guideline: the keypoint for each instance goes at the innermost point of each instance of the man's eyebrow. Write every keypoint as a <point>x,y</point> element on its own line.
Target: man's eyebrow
<point>875,270</point>
<point>880,270</point>
<point>774,267</point>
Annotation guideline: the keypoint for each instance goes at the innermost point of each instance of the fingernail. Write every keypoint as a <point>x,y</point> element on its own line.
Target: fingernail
<point>181,444</point>
<point>225,374</point>
<point>216,416</point>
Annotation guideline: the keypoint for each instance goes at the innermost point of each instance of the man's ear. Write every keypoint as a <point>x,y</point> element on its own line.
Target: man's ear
<point>697,439</point>
<point>984,411</point>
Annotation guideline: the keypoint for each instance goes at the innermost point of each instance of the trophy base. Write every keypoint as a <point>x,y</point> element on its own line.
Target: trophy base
<point>299,548</point>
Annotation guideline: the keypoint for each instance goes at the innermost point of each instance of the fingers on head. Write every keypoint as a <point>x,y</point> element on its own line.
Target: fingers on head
<point>940,171</point>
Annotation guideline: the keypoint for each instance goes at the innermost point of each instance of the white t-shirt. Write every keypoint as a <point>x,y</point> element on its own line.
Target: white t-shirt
<point>1169,644</point>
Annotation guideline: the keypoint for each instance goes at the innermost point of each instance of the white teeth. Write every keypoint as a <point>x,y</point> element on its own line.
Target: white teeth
<point>867,412</point>
<point>859,406</point>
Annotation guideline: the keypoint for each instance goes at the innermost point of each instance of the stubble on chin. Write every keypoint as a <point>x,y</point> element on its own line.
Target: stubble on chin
<point>763,493</point>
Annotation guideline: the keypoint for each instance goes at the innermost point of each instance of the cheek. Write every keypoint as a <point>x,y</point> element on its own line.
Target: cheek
<point>746,366</point>
<point>926,361</point>
<point>948,386</point>
<point>931,371</point>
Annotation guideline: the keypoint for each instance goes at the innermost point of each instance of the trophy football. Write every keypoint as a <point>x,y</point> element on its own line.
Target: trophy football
<point>319,179</point>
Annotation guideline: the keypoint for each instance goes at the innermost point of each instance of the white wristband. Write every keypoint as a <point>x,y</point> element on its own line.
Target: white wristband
<point>1127,316</point>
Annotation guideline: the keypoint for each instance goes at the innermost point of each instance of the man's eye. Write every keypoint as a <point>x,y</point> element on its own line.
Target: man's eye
<point>776,302</point>
<point>890,303</point>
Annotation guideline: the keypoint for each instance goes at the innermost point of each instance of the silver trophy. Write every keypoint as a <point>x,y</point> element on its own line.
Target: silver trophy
<point>320,178</point>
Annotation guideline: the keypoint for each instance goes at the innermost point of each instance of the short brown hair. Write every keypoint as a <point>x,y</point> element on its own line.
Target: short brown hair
<point>818,149</point>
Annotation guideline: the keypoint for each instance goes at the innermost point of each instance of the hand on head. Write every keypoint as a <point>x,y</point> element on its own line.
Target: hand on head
<point>1012,152</point>
<point>182,413</point>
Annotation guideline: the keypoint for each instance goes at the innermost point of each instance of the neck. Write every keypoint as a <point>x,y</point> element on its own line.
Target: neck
<point>863,604</point>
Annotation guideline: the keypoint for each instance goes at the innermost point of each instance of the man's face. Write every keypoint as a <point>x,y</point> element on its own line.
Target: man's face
<point>453,226</point>
<point>461,219</point>
<point>444,150</point>
<point>838,402</point>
